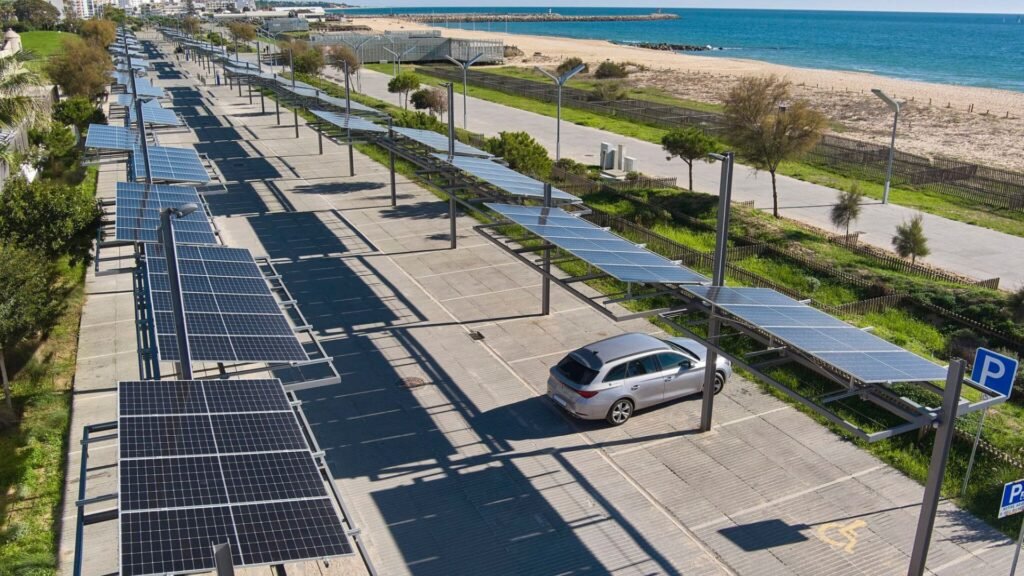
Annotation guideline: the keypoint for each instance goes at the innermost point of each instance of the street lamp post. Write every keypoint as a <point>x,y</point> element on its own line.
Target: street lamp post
<point>177,305</point>
<point>465,72</point>
<point>560,81</point>
<point>358,47</point>
<point>398,58</point>
<point>895,107</point>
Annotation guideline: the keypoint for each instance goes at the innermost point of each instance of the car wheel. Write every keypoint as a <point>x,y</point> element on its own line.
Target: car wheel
<point>620,412</point>
<point>719,382</point>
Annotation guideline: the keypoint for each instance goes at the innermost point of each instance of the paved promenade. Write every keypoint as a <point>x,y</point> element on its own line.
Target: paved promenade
<point>471,470</point>
<point>962,248</point>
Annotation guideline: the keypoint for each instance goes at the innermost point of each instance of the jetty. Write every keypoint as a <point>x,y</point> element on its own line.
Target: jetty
<point>532,17</point>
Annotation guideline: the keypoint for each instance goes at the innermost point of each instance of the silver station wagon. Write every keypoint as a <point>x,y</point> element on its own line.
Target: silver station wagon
<point>616,376</point>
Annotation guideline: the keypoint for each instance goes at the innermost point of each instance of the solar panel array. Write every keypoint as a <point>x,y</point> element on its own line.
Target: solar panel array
<point>169,165</point>
<point>341,102</point>
<point>144,88</point>
<point>505,178</point>
<point>230,313</point>
<point>348,122</point>
<point>439,142</point>
<point>138,210</point>
<point>617,257</point>
<point>210,462</point>
<point>104,137</point>
<point>153,113</point>
<point>855,352</point>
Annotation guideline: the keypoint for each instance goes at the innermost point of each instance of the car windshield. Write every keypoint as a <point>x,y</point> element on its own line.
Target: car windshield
<point>683,349</point>
<point>575,372</point>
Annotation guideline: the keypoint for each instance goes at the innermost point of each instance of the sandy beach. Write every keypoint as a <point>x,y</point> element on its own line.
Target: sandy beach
<point>937,119</point>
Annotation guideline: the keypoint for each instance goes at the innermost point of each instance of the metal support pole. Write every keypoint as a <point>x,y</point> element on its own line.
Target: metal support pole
<point>177,306</point>
<point>465,107</point>
<point>295,117</point>
<point>558,126</point>
<point>892,156</point>
<point>974,450</point>
<point>391,162</point>
<point>1016,551</point>
<point>277,109</point>
<point>249,84</point>
<point>936,469</point>
<point>320,141</point>
<point>451,121</point>
<point>545,290</point>
<point>451,220</point>
<point>348,129</point>
<point>717,279</point>
<point>263,105</point>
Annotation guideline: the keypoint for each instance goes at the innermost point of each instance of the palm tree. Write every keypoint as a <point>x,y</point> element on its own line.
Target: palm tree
<point>847,208</point>
<point>16,82</point>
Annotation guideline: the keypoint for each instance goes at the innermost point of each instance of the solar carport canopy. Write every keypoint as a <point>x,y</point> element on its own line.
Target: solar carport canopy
<point>611,254</point>
<point>439,142</point>
<point>505,178</point>
<point>344,121</point>
<point>169,164</point>
<point>230,313</point>
<point>853,351</point>
<point>208,462</point>
<point>153,113</point>
<point>104,137</point>
<point>138,213</point>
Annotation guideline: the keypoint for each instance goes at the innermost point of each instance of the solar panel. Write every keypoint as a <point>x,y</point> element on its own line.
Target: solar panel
<point>230,313</point>
<point>170,165</point>
<point>138,214</point>
<point>344,122</point>
<point>144,88</point>
<point>194,472</point>
<point>860,354</point>
<point>610,253</point>
<point>105,137</point>
<point>339,103</point>
<point>153,113</point>
<point>505,178</point>
<point>439,142</point>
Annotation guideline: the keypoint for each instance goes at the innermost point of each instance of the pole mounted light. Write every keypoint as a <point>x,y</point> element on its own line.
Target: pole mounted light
<point>559,82</point>
<point>895,107</point>
<point>398,57</point>
<point>465,73</point>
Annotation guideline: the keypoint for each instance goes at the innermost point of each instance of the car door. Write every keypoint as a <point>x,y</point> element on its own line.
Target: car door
<point>680,376</point>
<point>644,381</point>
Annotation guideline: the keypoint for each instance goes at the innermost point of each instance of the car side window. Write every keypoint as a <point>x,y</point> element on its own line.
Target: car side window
<point>641,366</point>
<point>616,373</point>
<point>673,362</point>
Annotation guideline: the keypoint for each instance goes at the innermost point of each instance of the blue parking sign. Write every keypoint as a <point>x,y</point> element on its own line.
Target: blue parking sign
<point>994,371</point>
<point>1013,499</point>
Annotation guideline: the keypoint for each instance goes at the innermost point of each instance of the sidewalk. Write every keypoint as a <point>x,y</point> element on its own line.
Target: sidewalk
<point>958,247</point>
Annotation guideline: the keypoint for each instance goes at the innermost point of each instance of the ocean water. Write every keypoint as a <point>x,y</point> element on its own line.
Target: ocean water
<point>969,49</point>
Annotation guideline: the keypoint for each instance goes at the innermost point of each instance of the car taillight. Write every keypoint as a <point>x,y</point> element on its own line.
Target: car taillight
<point>586,393</point>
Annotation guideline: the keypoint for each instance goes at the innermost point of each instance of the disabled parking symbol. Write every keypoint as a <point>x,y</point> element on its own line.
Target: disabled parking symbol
<point>839,535</point>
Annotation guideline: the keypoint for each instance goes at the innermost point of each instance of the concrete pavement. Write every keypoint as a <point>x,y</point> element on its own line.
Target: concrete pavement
<point>962,248</point>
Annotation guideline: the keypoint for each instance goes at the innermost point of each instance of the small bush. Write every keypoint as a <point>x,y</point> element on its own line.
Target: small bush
<point>611,90</point>
<point>964,343</point>
<point>570,63</point>
<point>609,69</point>
<point>573,167</point>
<point>522,153</point>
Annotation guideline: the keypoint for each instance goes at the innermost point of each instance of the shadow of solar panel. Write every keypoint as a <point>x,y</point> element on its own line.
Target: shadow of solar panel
<point>348,122</point>
<point>439,142</point>
<point>847,348</point>
<point>138,210</point>
<point>628,262</point>
<point>104,137</point>
<point>230,313</point>
<point>505,178</point>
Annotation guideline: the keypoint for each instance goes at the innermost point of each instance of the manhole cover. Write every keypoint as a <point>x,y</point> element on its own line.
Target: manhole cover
<point>412,382</point>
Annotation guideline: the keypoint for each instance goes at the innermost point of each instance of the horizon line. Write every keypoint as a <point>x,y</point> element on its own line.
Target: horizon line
<point>645,7</point>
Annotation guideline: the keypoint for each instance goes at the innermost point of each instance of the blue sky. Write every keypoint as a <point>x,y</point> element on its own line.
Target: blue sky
<point>991,6</point>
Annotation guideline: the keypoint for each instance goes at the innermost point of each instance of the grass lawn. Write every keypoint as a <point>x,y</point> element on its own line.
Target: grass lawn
<point>43,43</point>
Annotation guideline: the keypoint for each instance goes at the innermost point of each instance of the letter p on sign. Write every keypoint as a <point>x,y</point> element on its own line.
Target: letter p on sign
<point>994,371</point>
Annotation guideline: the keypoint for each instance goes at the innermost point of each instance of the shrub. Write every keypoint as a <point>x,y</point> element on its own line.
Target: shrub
<point>573,167</point>
<point>48,216</point>
<point>420,120</point>
<point>79,112</point>
<point>570,63</point>
<point>431,99</point>
<point>609,69</point>
<point>964,343</point>
<point>402,84</point>
<point>522,153</point>
<point>81,68</point>
<point>611,90</point>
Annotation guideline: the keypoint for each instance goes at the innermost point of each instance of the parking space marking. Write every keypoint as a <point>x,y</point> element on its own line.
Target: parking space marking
<point>467,270</point>
<point>659,442</point>
<point>490,293</point>
<point>846,539</point>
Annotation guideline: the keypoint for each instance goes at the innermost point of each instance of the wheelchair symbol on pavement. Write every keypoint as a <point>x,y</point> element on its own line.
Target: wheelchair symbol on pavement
<point>840,536</point>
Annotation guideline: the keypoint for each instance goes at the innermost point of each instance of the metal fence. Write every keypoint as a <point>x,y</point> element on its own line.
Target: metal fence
<point>993,187</point>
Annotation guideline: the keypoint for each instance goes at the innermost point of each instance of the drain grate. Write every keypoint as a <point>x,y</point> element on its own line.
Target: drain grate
<point>476,335</point>
<point>412,382</point>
